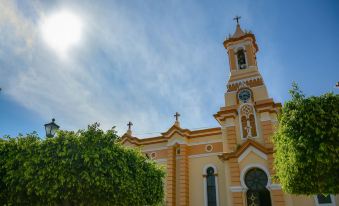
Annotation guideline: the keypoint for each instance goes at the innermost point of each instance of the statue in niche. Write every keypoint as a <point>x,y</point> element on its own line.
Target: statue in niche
<point>248,122</point>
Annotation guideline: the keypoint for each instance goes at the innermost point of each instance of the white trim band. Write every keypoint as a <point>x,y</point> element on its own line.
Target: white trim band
<point>205,155</point>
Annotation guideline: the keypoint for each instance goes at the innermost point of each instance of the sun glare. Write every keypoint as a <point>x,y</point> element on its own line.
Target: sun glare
<point>61,31</point>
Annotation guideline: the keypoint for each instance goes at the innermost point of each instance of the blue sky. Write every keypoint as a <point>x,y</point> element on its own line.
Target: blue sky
<point>142,61</point>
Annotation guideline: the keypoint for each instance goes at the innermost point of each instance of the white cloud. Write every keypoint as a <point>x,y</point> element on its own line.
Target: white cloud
<point>131,66</point>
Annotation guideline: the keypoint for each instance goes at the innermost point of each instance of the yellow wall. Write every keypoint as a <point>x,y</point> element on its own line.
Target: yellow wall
<point>196,179</point>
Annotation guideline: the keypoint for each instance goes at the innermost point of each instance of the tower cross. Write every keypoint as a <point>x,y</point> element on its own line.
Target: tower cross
<point>237,18</point>
<point>177,115</point>
<point>129,125</point>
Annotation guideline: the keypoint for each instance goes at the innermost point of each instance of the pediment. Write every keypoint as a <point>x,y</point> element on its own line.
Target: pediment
<point>250,152</point>
<point>250,146</point>
<point>177,138</point>
<point>175,130</point>
<point>129,140</point>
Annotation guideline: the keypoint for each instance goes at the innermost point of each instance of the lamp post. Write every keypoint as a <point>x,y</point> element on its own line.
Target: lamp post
<point>51,128</point>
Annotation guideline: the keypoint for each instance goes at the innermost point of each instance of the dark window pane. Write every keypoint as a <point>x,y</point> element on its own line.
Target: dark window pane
<point>322,199</point>
<point>256,179</point>
<point>257,193</point>
<point>211,190</point>
<point>241,59</point>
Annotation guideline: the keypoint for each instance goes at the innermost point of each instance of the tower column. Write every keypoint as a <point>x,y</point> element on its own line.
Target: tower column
<point>237,197</point>
<point>183,177</point>
<point>171,176</point>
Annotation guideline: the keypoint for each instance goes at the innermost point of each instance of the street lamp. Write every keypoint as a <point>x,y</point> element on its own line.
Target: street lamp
<point>51,128</point>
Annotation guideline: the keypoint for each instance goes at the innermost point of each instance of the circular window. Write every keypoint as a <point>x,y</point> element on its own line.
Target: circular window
<point>256,179</point>
<point>244,95</point>
<point>153,155</point>
<point>208,148</point>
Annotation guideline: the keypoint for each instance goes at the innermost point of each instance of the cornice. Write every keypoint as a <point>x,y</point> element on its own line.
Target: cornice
<point>231,40</point>
<point>186,133</point>
<point>256,80</point>
<point>226,112</point>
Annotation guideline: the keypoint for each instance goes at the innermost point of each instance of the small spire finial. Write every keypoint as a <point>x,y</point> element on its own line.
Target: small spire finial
<point>129,131</point>
<point>130,124</point>
<point>177,115</point>
<point>236,18</point>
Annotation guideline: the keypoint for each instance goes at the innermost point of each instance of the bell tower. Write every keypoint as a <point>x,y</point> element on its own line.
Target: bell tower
<point>241,49</point>
<point>247,104</point>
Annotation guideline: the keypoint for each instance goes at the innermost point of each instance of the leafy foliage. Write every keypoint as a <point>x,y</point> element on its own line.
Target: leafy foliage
<point>88,167</point>
<point>307,144</point>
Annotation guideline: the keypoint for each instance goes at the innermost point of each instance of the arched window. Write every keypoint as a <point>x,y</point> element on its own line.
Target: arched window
<point>241,59</point>
<point>211,188</point>
<point>248,123</point>
<point>210,174</point>
<point>257,193</point>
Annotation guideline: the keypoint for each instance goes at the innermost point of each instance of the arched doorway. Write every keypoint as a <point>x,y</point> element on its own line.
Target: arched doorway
<point>257,193</point>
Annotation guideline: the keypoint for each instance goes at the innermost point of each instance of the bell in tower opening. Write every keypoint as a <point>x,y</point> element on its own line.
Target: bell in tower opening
<point>241,59</point>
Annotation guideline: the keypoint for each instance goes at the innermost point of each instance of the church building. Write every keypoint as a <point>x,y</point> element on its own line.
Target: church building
<point>229,165</point>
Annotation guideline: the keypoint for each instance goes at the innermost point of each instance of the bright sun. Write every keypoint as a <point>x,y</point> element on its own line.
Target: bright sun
<point>61,31</point>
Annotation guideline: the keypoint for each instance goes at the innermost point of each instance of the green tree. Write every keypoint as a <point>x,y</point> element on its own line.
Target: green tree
<point>307,144</point>
<point>88,167</point>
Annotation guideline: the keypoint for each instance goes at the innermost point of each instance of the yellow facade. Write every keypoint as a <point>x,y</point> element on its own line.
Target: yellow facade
<point>214,166</point>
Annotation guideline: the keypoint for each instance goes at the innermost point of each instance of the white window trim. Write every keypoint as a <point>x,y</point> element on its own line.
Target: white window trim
<point>206,142</point>
<point>324,204</point>
<point>204,172</point>
<point>255,119</point>
<point>205,155</point>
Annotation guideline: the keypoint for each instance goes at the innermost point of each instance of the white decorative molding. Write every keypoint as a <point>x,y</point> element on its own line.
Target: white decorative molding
<point>204,172</point>
<point>155,149</point>
<point>242,86</point>
<point>254,150</point>
<point>255,120</point>
<point>205,155</point>
<point>230,122</point>
<point>235,91</point>
<point>236,189</point>
<point>252,67</point>
<point>202,143</point>
<point>244,80</point>
<point>161,160</point>
<point>179,158</point>
<point>242,44</point>
<point>179,140</point>
<point>274,120</point>
<point>265,116</point>
<point>275,186</point>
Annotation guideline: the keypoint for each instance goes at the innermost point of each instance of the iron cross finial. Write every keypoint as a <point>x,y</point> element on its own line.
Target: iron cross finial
<point>177,115</point>
<point>129,125</point>
<point>237,18</point>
